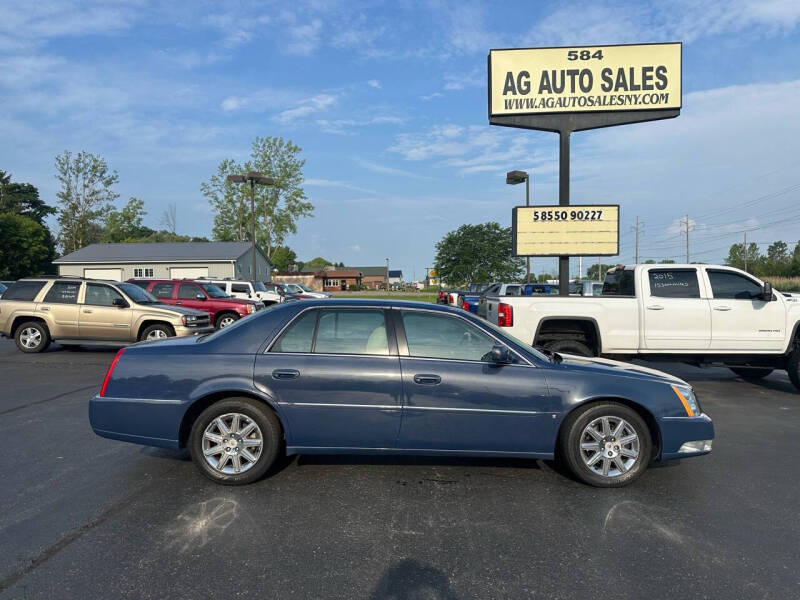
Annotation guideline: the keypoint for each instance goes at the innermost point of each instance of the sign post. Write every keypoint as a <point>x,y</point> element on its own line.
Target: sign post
<point>576,88</point>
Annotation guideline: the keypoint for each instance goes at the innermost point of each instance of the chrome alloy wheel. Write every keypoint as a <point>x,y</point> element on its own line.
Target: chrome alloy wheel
<point>609,446</point>
<point>157,334</point>
<point>225,321</point>
<point>30,337</point>
<point>232,443</point>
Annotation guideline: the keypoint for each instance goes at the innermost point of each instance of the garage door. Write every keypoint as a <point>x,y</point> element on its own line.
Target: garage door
<point>112,274</point>
<point>188,272</point>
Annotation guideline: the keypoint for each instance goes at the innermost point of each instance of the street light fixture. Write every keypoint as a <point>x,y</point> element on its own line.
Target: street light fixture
<point>513,178</point>
<point>254,178</point>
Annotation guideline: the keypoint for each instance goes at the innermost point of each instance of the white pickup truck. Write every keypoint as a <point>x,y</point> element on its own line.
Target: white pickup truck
<point>698,314</point>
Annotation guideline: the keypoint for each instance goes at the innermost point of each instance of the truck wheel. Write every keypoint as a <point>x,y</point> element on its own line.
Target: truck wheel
<point>569,347</point>
<point>226,319</point>
<point>32,336</point>
<point>793,368</point>
<point>752,374</point>
<point>156,332</point>
<point>605,444</point>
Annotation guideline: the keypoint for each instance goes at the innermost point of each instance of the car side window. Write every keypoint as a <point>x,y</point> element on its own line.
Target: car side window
<point>23,290</point>
<point>100,295</point>
<point>299,337</point>
<point>63,292</point>
<point>732,286</point>
<point>187,291</point>
<point>163,290</point>
<point>351,331</point>
<point>674,283</point>
<point>430,335</point>
<point>513,290</point>
<point>240,288</point>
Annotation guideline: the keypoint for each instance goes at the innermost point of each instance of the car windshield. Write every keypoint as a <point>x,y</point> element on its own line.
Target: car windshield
<point>2,288</point>
<point>504,334</point>
<point>137,294</point>
<point>305,288</point>
<point>213,291</point>
<point>258,286</point>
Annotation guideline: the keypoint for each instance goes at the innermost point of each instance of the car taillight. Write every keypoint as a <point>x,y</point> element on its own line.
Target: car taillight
<point>464,305</point>
<point>110,370</point>
<point>505,315</point>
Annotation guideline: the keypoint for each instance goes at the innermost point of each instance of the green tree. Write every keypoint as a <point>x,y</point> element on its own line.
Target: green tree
<point>477,253</point>
<point>22,199</point>
<point>317,263</point>
<point>85,197</point>
<point>777,261</point>
<point>126,225</point>
<point>27,247</point>
<point>544,277</point>
<point>597,271</point>
<point>278,207</point>
<point>736,258</point>
<point>283,258</point>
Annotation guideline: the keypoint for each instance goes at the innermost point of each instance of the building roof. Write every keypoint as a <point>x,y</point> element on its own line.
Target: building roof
<point>370,271</point>
<point>396,274</point>
<point>159,251</point>
<point>340,274</point>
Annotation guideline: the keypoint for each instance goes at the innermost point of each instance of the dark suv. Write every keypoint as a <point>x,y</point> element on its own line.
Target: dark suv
<point>221,308</point>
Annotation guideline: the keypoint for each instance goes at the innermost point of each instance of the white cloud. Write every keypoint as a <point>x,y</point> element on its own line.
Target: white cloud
<point>475,78</point>
<point>431,96</point>
<point>304,39</point>
<point>307,106</point>
<point>333,183</point>
<point>374,83</point>
<point>386,170</point>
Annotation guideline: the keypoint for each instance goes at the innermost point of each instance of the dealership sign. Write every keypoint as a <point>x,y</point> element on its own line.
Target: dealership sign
<point>575,79</point>
<point>566,230</point>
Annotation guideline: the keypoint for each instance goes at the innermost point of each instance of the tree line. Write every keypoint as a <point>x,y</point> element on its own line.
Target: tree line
<point>86,209</point>
<point>778,260</point>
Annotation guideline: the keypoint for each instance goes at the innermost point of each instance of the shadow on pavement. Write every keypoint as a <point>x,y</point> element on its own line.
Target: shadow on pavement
<point>413,580</point>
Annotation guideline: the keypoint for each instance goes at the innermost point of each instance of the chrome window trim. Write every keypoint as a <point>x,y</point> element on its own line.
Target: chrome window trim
<point>407,407</point>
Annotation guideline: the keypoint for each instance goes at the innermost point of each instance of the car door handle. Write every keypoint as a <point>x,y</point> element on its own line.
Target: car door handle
<point>655,307</point>
<point>285,374</point>
<point>722,308</point>
<point>427,379</point>
<point>44,308</point>
<point>87,311</point>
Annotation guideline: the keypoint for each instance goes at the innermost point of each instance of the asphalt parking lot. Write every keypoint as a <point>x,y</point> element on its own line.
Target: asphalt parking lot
<point>86,517</point>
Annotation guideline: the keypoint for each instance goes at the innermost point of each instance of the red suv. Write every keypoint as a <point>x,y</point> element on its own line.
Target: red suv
<point>221,308</point>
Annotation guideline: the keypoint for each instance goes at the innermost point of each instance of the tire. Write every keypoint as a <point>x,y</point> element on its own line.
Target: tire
<point>32,337</point>
<point>793,368</point>
<point>752,374</point>
<point>225,319</point>
<point>157,332</point>
<point>570,347</point>
<point>250,412</point>
<point>575,434</point>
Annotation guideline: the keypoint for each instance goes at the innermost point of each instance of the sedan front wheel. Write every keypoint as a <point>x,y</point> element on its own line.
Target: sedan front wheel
<point>606,444</point>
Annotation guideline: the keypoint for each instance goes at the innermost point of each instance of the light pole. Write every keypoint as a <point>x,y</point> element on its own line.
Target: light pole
<point>513,178</point>
<point>387,274</point>
<point>254,178</point>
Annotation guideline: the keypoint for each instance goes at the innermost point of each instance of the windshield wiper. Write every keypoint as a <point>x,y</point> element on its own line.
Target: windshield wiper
<point>555,357</point>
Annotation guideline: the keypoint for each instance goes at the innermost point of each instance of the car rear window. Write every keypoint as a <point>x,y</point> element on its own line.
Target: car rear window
<point>63,292</point>
<point>23,290</point>
<point>300,335</point>
<point>240,288</point>
<point>163,290</point>
<point>674,283</point>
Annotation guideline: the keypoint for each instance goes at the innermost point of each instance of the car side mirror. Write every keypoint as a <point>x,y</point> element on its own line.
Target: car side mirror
<point>120,303</point>
<point>766,292</point>
<point>501,355</point>
<point>200,296</point>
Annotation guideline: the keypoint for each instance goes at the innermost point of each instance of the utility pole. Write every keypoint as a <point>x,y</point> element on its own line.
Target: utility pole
<point>637,228</point>
<point>745,251</point>
<point>687,239</point>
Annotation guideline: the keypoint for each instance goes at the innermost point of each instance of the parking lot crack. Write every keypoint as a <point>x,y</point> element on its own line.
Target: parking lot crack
<point>56,397</point>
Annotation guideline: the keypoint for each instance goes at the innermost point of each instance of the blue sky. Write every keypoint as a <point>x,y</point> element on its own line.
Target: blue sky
<point>388,102</point>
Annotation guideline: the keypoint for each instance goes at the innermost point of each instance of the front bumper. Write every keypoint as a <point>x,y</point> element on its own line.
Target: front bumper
<point>677,431</point>
<point>181,330</point>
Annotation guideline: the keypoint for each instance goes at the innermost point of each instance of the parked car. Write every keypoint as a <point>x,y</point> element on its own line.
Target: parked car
<point>698,314</point>
<point>497,289</point>
<point>3,288</point>
<point>222,309</point>
<point>304,290</point>
<point>377,377</point>
<point>247,290</point>
<point>468,299</point>
<point>585,288</point>
<point>72,311</point>
<point>289,296</point>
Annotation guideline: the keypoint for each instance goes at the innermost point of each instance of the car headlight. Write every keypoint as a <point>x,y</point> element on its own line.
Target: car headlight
<point>188,319</point>
<point>250,308</point>
<point>687,398</point>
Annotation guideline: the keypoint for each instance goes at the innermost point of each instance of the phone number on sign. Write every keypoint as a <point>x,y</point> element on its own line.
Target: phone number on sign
<point>567,215</point>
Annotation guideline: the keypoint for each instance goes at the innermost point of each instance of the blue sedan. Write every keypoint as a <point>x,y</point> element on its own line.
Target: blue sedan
<point>378,377</point>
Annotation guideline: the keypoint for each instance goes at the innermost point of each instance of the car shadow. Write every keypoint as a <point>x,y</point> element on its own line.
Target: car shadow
<point>411,579</point>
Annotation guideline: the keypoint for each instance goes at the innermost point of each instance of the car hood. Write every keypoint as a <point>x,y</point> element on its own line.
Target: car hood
<point>616,367</point>
<point>182,310</point>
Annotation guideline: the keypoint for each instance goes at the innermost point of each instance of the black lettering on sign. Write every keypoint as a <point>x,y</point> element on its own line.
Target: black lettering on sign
<point>647,78</point>
<point>608,83</point>
<point>544,83</point>
<point>524,82</point>
<point>509,85</point>
<point>661,76</point>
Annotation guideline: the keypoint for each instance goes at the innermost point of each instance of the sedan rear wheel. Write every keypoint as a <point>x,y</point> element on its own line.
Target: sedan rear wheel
<point>235,441</point>
<point>606,444</point>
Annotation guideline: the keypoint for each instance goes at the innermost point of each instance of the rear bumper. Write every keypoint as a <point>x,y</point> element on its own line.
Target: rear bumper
<point>147,422</point>
<point>677,431</point>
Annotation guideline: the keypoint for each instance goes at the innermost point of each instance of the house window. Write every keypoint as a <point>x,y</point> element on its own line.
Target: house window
<point>143,272</point>
<point>331,283</point>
